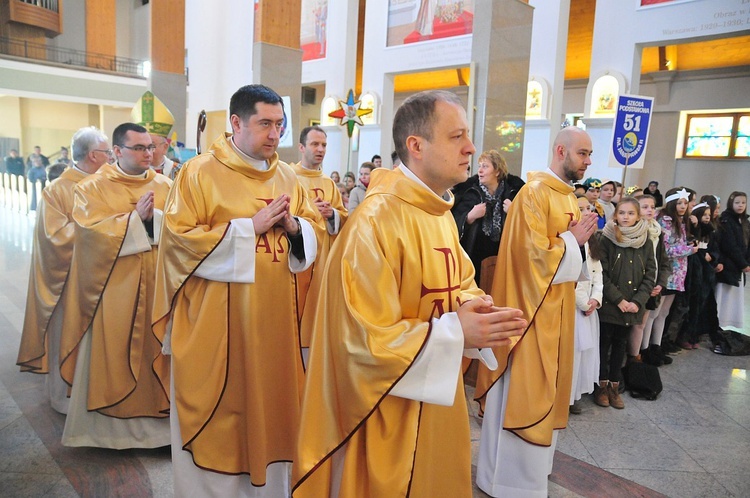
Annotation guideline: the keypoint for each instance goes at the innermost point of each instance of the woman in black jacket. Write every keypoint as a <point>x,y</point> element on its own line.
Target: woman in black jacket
<point>734,260</point>
<point>481,206</point>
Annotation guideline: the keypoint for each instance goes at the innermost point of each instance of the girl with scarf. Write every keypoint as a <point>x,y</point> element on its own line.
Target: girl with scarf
<point>481,206</point>
<point>640,346</point>
<point>629,274</point>
<point>734,249</point>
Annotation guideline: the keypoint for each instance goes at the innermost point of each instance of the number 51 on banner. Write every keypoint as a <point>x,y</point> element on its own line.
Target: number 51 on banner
<point>630,132</point>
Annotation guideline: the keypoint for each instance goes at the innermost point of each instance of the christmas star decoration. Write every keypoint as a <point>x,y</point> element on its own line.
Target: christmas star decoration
<point>350,112</point>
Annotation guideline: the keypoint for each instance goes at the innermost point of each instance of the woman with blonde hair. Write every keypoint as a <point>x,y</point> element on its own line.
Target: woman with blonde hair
<point>481,206</point>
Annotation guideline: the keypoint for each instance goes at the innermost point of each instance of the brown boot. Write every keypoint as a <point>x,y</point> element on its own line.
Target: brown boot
<point>615,400</point>
<point>634,359</point>
<point>601,393</point>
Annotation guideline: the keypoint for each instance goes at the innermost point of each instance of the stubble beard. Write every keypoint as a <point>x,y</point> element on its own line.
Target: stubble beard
<point>571,174</point>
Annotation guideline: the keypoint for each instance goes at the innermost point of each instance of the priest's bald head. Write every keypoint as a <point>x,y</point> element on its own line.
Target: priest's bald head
<point>431,133</point>
<point>571,153</point>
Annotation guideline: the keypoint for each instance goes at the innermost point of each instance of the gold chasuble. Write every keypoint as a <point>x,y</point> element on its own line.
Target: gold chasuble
<point>542,358</point>
<point>236,358</point>
<point>308,282</point>
<point>112,296</point>
<point>396,265</point>
<point>51,256</point>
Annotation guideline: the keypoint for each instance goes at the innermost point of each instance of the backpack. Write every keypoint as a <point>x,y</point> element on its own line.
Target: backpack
<point>643,380</point>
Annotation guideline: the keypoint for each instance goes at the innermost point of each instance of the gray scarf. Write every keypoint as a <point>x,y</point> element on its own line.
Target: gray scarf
<point>634,236</point>
<point>492,223</point>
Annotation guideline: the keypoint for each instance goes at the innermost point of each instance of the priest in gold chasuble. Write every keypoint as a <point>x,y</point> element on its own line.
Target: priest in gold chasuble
<point>325,195</point>
<point>51,256</point>
<point>526,399</point>
<point>109,353</point>
<point>384,412</point>
<point>237,227</point>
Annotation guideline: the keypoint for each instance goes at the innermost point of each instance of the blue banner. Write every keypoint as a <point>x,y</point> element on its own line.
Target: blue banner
<point>630,132</point>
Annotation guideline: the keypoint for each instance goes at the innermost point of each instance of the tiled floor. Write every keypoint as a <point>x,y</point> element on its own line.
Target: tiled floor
<point>693,441</point>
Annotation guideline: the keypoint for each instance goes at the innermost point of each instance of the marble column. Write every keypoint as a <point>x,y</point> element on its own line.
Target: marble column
<point>547,66</point>
<point>500,51</point>
<point>167,79</point>
<point>277,60</point>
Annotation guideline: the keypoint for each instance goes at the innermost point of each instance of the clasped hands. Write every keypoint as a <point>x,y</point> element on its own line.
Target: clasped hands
<point>486,325</point>
<point>584,228</point>
<point>325,208</point>
<point>276,214</point>
<point>145,206</point>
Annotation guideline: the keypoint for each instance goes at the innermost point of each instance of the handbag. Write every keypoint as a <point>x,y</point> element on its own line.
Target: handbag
<point>643,380</point>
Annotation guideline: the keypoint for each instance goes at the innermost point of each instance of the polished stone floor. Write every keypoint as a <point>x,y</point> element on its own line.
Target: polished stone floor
<point>694,441</point>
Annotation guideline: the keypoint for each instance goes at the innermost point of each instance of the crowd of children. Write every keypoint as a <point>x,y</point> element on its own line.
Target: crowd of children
<point>660,279</point>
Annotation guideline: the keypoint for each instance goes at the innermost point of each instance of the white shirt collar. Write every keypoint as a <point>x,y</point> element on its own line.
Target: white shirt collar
<point>410,174</point>
<point>568,182</point>
<point>142,175</point>
<point>259,164</point>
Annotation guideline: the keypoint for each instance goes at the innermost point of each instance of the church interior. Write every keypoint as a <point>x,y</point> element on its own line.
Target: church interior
<point>522,68</point>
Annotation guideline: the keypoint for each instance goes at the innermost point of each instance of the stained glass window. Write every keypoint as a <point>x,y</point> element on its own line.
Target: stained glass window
<point>718,135</point>
<point>742,147</point>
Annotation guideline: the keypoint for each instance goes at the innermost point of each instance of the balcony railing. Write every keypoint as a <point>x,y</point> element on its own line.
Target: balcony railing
<point>52,5</point>
<point>70,57</point>
<point>43,14</point>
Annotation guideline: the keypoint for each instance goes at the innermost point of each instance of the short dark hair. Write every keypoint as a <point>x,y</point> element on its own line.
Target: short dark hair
<point>368,165</point>
<point>415,118</point>
<point>118,136</point>
<point>243,101</point>
<point>394,156</point>
<point>306,130</point>
<point>375,157</point>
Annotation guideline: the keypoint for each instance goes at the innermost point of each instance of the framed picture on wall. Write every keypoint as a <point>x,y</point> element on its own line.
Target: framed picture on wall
<point>314,122</point>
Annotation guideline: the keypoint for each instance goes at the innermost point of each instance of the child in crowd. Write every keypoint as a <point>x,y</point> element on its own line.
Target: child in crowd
<point>713,203</point>
<point>629,273</point>
<point>349,181</point>
<point>734,258</point>
<point>640,347</point>
<point>335,177</point>
<point>588,300</point>
<point>605,199</point>
<point>593,190</point>
<point>673,219</point>
<point>701,280</point>
<point>344,194</point>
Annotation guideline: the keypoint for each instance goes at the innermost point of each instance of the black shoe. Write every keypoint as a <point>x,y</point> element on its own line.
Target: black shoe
<point>664,358</point>
<point>670,347</point>
<point>653,356</point>
<point>575,408</point>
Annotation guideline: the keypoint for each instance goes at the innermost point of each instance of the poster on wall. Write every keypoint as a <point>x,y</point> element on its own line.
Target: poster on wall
<point>286,139</point>
<point>313,34</point>
<point>411,21</point>
<point>657,3</point>
<point>630,131</point>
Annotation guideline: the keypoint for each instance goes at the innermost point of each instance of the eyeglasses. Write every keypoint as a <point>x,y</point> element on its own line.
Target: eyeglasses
<point>139,148</point>
<point>106,151</point>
